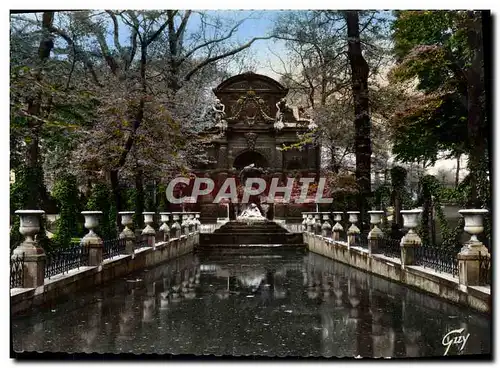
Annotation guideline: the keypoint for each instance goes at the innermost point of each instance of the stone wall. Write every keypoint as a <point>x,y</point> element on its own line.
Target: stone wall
<point>442,285</point>
<point>23,299</point>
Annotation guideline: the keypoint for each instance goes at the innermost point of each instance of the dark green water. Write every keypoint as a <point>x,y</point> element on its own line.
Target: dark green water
<point>277,304</point>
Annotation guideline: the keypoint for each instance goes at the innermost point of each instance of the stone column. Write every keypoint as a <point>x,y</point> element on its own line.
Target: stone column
<point>337,228</point>
<point>317,224</point>
<point>326,228</point>
<point>353,232</point>
<point>472,251</point>
<point>127,233</point>
<point>34,255</point>
<point>164,218</point>
<point>411,240</point>
<point>375,236</point>
<point>176,227</point>
<point>93,241</point>
<point>148,231</point>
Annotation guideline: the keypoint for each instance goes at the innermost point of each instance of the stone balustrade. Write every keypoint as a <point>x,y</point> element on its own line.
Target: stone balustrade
<point>471,259</point>
<point>34,257</point>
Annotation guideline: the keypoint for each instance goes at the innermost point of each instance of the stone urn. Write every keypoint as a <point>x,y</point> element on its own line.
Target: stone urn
<point>197,221</point>
<point>164,218</point>
<point>91,222</point>
<point>126,217</point>
<point>353,216</point>
<point>29,227</point>
<point>410,218</point>
<point>375,217</point>
<point>304,221</point>
<point>473,223</point>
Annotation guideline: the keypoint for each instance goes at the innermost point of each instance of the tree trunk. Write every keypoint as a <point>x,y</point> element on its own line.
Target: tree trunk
<point>475,108</point>
<point>457,172</point>
<point>139,199</point>
<point>359,81</point>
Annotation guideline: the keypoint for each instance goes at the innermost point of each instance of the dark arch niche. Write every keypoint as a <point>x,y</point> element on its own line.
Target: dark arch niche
<point>250,157</point>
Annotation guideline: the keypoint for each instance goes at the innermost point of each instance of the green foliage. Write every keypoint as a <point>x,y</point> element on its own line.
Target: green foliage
<point>27,192</point>
<point>101,199</point>
<point>431,47</point>
<point>68,224</point>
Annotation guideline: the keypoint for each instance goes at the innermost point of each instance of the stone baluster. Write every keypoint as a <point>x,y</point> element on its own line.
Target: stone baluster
<point>375,236</point>
<point>317,224</point>
<point>304,222</point>
<point>337,228</point>
<point>148,231</point>
<point>353,232</point>
<point>91,240</point>
<point>164,218</point>
<point>176,227</point>
<point>127,233</point>
<point>326,228</point>
<point>470,255</point>
<point>34,255</point>
<point>411,240</point>
<point>310,223</point>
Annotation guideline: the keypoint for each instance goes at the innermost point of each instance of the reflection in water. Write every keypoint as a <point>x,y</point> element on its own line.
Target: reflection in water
<point>288,304</point>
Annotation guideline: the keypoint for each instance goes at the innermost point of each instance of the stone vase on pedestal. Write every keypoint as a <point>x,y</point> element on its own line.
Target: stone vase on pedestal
<point>127,233</point>
<point>326,228</point>
<point>34,255</point>
<point>375,236</point>
<point>337,228</point>
<point>411,240</point>
<point>91,240</point>
<point>164,218</point>
<point>473,250</point>
<point>148,230</point>
<point>317,223</point>
<point>353,232</point>
<point>176,227</point>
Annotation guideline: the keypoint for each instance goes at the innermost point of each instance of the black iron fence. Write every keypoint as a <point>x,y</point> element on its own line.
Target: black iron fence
<point>389,247</point>
<point>484,270</point>
<point>17,271</point>
<point>436,258</point>
<point>62,260</point>
<point>159,236</point>
<point>141,241</point>
<point>113,247</point>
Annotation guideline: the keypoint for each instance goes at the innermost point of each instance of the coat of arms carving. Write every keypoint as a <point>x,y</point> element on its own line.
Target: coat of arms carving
<point>250,108</point>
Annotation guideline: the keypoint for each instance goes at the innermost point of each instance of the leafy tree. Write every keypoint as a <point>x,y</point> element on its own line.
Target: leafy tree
<point>443,52</point>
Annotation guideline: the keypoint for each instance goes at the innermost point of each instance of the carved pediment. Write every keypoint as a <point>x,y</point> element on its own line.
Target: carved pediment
<point>250,108</point>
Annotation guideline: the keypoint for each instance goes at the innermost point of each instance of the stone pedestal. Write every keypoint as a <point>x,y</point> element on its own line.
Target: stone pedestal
<point>127,233</point>
<point>411,240</point>
<point>91,240</point>
<point>317,223</point>
<point>34,255</point>
<point>353,232</point>
<point>337,228</point>
<point>175,229</point>
<point>164,218</point>
<point>469,258</point>
<point>375,236</point>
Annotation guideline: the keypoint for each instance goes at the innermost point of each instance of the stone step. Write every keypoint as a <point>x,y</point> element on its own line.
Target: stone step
<point>255,238</point>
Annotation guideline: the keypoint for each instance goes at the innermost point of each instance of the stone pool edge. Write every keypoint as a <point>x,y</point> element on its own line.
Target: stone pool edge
<point>23,299</point>
<point>442,285</point>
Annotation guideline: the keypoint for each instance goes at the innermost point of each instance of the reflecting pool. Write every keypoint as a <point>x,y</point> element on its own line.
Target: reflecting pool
<point>278,303</point>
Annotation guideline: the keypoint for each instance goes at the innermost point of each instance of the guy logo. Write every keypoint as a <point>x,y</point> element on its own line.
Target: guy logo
<point>455,337</point>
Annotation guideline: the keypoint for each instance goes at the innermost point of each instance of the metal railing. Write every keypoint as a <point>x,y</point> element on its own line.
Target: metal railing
<point>62,260</point>
<point>484,270</point>
<point>436,258</point>
<point>113,247</point>
<point>389,247</point>
<point>141,241</point>
<point>159,236</point>
<point>17,271</point>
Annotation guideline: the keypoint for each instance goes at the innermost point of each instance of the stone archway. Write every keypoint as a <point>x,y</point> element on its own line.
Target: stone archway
<point>250,157</point>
